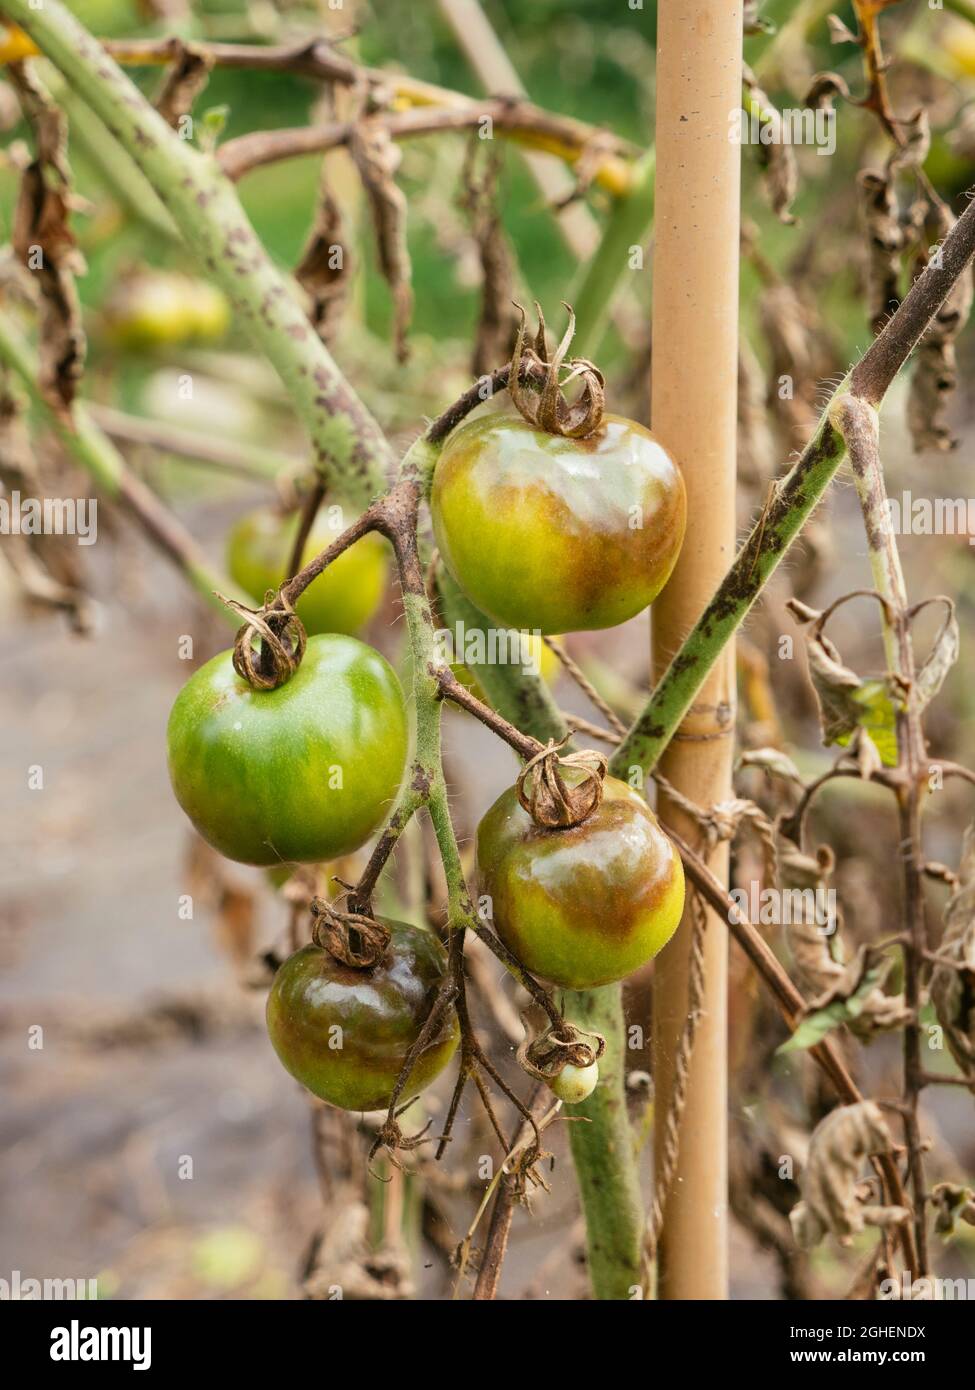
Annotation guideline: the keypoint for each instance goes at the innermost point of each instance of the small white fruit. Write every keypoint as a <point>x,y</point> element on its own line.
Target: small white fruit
<point>574,1084</point>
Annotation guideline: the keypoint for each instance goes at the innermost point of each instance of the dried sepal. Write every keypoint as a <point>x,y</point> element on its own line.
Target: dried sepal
<point>547,409</point>
<point>545,1057</point>
<point>559,792</point>
<point>357,939</point>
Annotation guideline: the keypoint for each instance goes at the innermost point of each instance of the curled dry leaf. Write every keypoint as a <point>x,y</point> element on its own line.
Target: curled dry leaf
<point>377,159</point>
<point>48,568</point>
<point>325,267</point>
<point>953,983</point>
<point>346,1260</point>
<point>834,1201</point>
<point>952,1203</point>
<point>184,81</point>
<point>889,232</point>
<point>43,240</point>
<point>941,658</point>
<point>847,702</point>
<point>776,155</point>
<point>497,323</point>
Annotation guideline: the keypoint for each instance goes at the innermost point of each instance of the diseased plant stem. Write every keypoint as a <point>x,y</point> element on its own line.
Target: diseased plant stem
<point>860,428</point>
<point>203,204</point>
<point>602,1150</point>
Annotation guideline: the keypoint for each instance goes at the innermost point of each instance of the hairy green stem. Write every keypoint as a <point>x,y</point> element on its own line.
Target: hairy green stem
<point>602,1150</point>
<point>204,205</point>
<point>624,235</point>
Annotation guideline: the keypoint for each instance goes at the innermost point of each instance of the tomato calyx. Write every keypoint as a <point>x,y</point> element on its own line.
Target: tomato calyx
<point>553,802</point>
<point>282,642</point>
<point>548,408</point>
<point>546,1056</point>
<point>354,938</point>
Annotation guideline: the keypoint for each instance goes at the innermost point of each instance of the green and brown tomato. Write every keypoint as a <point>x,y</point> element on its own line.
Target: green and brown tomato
<point>302,773</point>
<point>555,534</point>
<point>342,599</point>
<point>583,906</point>
<point>345,1033</point>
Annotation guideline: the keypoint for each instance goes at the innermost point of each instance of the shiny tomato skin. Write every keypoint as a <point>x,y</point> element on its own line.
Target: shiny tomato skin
<point>343,599</point>
<point>344,1033</point>
<point>585,906</point>
<point>303,773</point>
<point>555,534</point>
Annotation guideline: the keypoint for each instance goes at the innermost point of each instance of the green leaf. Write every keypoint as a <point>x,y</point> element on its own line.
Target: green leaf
<point>814,1027</point>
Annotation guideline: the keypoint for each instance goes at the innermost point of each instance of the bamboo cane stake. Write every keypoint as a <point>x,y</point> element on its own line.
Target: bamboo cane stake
<point>695,328</point>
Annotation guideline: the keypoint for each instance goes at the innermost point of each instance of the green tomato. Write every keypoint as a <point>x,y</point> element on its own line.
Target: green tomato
<point>165,310</point>
<point>343,599</point>
<point>575,1084</point>
<point>306,772</point>
<point>555,534</point>
<point>584,906</point>
<point>345,1033</point>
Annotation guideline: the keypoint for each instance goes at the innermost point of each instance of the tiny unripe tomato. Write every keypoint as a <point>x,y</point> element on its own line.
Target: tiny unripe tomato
<point>165,309</point>
<point>575,1084</point>
<point>342,599</point>
<point>344,1033</point>
<point>555,534</point>
<point>305,772</point>
<point>584,906</point>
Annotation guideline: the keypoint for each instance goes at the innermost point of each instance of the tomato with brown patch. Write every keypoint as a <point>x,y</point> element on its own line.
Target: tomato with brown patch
<point>584,906</point>
<point>555,534</point>
<point>344,1033</point>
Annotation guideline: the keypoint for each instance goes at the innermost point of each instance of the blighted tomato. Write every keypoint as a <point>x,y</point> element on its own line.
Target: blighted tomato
<point>345,1033</point>
<point>584,906</point>
<point>302,773</point>
<point>342,599</point>
<point>555,534</point>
